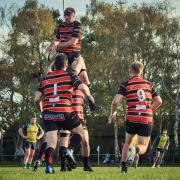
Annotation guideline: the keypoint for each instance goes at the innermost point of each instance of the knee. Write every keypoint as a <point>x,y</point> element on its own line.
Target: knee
<point>52,144</point>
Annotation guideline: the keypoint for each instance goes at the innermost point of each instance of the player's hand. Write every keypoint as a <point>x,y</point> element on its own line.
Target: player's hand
<point>94,107</point>
<point>38,138</point>
<point>51,48</point>
<point>25,137</point>
<point>110,119</point>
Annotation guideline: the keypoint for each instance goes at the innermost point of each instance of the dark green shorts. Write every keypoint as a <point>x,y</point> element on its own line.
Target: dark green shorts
<point>31,145</point>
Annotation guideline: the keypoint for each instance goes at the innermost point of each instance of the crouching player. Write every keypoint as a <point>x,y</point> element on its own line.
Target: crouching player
<point>142,100</point>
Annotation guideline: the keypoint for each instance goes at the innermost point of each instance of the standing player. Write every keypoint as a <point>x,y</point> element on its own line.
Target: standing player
<point>162,142</point>
<point>31,132</point>
<point>142,100</point>
<point>55,92</point>
<point>68,40</point>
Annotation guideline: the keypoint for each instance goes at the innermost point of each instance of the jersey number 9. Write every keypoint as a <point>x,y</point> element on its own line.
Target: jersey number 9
<point>141,95</point>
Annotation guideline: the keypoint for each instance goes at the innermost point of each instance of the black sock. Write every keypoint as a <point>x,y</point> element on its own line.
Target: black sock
<point>48,156</point>
<point>42,150</point>
<point>62,157</point>
<point>123,163</point>
<point>86,161</point>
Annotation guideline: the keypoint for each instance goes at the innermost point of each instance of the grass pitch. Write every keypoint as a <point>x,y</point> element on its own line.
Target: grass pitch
<point>102,173</point>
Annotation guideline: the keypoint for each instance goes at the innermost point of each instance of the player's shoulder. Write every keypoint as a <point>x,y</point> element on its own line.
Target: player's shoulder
<point>77,23</point>
<point>61,24</point>
<point>148,81</point>
<point>124,83</point>
<point>25,125</point>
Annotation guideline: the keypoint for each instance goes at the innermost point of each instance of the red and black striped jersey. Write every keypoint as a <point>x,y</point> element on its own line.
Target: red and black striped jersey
<point>57,89</point>
<point>78,103</point>
<point>138,93</point>
<point>65,32</point>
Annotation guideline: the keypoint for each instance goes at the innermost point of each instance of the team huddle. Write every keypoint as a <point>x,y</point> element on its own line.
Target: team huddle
<point>61,97</point>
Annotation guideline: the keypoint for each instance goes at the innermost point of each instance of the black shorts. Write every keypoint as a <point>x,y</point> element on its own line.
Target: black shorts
<point>66,121</point>
<point>31,145</point>
<point>161,150</point>
<point>72,56</point>
<point>139,128</point>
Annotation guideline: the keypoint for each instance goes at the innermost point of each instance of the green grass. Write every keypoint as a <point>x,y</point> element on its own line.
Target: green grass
<point>103,173</point>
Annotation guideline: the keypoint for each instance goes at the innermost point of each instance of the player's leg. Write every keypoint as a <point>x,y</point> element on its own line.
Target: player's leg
<point>136,160</point>
<point>125,151</point>
<point>160,158</point>
<point>40,157</point>
<point>126,146</point>
<point>26,155</point>
<point>143,143</point>
<point>31,155</point>
<point>63,149</point>
<point>156,158</point>
<point>51,138</point>
<point>86,151</point>
<point>78,65</point>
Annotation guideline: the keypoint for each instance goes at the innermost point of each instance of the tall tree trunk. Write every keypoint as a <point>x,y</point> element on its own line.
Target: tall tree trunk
<point>1,145</point>
<point>116,144</point>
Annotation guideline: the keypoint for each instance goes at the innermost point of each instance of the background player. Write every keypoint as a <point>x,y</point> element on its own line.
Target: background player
<point>139,94</point>
<point>162,143</point>
<point>31,132</point>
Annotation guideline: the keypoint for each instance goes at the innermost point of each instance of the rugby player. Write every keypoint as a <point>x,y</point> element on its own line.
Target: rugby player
<point>55,92</point>
<point>68,40</point>
<point>162,144</point>
<point>78,108</point>
<point>142,100</point>
<point>31,132</point>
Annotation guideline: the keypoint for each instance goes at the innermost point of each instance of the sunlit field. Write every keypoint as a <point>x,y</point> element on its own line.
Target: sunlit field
<point>102,173</point>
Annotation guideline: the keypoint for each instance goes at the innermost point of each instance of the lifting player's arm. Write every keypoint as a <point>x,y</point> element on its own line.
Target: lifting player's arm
<point>117,99</point>
<point>53,45</point>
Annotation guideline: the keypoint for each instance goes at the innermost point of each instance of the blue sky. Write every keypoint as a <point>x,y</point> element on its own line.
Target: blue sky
<point>80,5</point>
